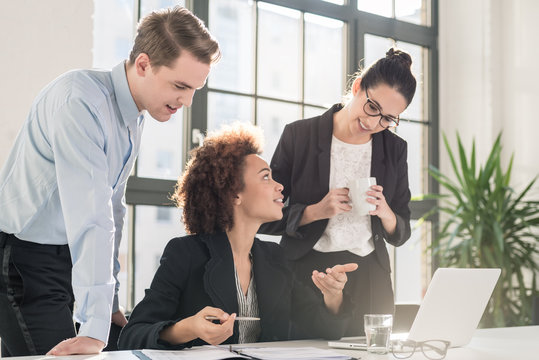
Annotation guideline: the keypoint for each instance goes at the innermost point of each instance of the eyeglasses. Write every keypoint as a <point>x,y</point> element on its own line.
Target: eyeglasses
<point>373,109</point>
<point>432,349</point>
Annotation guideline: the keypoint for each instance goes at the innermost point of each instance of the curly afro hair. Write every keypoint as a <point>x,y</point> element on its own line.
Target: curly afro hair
<point>214,176</point>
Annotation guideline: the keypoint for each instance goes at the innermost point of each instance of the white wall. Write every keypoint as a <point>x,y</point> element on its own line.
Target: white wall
<point>40,40</point>
<point>519,94</point>
<point>489,77</point>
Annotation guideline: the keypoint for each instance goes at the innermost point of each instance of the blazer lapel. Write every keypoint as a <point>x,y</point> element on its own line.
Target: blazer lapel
<point>378,170</point>
<point>219,282</point>
<point>378,167</point>
<point>325,133</point>
<point>270,278</point>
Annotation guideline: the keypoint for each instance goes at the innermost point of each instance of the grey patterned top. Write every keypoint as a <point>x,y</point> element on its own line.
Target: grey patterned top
<point>249,331</point>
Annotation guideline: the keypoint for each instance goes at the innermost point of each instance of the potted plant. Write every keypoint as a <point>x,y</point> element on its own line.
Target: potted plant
<point>486,223</point>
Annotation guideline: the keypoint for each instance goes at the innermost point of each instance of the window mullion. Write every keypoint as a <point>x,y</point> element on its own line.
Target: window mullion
<point>255,67</point>
<point>302,89</point>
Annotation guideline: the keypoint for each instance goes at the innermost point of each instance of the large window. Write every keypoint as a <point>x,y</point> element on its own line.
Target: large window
<point>412,11</point>
<point>270,72</point>
<point>282,61</point>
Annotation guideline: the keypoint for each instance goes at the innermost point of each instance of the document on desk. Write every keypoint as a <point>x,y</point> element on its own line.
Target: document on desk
<point>237,352</point>
<point>203,353</point>
<point>289,353</point>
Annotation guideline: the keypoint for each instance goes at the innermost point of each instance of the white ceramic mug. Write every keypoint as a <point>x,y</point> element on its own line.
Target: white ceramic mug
<point>358,193</point>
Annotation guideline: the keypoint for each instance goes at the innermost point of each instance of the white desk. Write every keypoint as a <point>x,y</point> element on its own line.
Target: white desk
<point>516,343</point>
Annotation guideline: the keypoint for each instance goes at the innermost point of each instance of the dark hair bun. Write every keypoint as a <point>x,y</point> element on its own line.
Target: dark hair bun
<point>400,56</point>
<point>393,70</point>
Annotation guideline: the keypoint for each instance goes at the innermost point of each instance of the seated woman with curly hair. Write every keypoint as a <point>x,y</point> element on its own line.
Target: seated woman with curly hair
<point>222,270</point>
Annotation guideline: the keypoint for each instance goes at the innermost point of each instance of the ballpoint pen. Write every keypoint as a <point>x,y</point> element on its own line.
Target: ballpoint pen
<point>232,350</point>
<point>243,318</point>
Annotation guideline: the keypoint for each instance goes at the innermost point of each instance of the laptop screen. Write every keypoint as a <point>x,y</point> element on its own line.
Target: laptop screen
<point>451,309</point>
<point>453,305</point>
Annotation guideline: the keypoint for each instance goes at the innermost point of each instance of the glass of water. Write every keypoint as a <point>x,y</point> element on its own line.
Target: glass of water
<point>378,331</point>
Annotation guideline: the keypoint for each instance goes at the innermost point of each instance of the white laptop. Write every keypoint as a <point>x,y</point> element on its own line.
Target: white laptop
<point>451,309</point>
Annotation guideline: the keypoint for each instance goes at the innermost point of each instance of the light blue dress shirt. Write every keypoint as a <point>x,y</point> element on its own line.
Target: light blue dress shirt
<point>64,182</point>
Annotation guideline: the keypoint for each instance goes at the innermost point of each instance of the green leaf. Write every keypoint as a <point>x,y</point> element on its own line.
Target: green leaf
<point>485,223</point>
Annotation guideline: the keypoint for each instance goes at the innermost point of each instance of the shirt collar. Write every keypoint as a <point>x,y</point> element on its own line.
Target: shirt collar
<point>126,103</point>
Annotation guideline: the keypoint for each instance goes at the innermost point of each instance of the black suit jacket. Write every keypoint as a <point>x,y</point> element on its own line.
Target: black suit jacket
<point>198,271</point>
<point>301,163</point>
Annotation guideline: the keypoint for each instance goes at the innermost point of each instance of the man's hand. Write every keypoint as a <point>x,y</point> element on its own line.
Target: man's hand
<point>77,345</point>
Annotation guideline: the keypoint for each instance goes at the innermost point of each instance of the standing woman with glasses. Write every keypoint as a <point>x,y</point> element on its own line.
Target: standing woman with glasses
<point>316,159</point>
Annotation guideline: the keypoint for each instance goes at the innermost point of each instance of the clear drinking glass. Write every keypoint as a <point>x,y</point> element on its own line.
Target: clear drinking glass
<point>378,331</point>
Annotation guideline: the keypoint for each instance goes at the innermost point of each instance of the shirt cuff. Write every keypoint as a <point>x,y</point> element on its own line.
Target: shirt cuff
<point>96,329</point>
<point>398,237</point>
<point>165,345</point>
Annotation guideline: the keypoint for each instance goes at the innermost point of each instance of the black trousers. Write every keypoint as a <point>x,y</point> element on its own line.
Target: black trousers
<point>36,297</point>
<point>369,286</point>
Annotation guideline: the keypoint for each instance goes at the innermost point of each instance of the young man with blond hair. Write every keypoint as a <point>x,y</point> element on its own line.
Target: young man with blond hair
<point>62,188</point>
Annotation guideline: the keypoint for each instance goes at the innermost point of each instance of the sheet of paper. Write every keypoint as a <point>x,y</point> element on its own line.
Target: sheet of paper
<point>204,353</point>
<point>290,353</point>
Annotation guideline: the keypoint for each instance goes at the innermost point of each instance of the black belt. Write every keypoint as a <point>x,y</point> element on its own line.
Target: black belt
<point>5,239</point>
<point>12,240</point>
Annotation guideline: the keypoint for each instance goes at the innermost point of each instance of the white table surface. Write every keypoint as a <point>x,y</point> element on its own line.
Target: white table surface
<point>515,343</point>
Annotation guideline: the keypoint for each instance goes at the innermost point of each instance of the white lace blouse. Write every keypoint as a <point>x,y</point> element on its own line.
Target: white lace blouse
<point>348,231</point>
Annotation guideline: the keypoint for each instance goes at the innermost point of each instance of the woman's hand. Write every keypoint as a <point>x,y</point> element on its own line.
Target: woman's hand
<point>383,211</point>
<point>335,202</point>
<point>197,326</point>
<point>331,283</point>
<point>210,332</point>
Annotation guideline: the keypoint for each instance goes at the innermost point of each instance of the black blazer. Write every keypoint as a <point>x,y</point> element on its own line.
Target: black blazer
<point>198,271</point>
<point>301,163</point>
